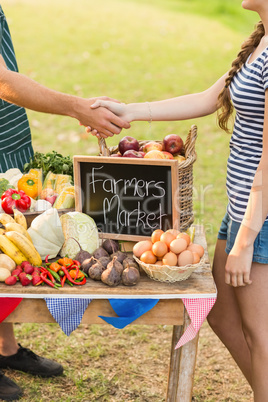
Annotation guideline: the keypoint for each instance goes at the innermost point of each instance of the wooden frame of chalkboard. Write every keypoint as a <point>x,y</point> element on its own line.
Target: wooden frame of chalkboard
<point>128,198</point>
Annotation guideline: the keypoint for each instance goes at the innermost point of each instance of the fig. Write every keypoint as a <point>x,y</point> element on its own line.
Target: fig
<point>100,252</point>
<point>112,274</point>
<point>96,270</point>
<point>111,246</point>
<point>104,261</point>
<point>130,276</point>
<point>120,256</point>
<point>82,255</point>
<point>86,264</point>
<point>130,262</point>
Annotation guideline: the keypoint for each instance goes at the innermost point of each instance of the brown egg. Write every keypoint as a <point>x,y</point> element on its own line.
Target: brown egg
<point>196,258</point>
<point>196,248</point>
<point>170,259</point>
<point>142,246</point>
<point>148,257</point>
<point>185,257</point>
<point>159,248</point>
<point>178,245</point>
<point>184,236</point>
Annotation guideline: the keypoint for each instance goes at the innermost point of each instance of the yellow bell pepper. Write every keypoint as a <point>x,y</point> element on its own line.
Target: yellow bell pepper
<point>30,184</point>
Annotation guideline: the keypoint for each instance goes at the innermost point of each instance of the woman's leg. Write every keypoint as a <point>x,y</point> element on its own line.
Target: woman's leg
<point>225,317</point>
<point>253,304</point>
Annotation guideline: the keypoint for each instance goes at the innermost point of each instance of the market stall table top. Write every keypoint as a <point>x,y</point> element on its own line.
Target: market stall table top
<point>173,308</point>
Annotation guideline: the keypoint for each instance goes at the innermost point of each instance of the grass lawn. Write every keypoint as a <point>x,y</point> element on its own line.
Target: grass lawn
<point>133,51</point>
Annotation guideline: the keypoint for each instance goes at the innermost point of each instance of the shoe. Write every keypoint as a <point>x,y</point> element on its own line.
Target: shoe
<point>27,361</point>
<point>9,390</point>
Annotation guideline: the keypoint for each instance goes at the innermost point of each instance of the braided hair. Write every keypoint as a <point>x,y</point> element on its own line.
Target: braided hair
<point>225,106</point>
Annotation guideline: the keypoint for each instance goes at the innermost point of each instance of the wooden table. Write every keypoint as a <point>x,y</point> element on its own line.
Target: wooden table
<point>169,310</point>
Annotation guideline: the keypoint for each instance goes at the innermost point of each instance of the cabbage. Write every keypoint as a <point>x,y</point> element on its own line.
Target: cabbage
<point>79,226</point>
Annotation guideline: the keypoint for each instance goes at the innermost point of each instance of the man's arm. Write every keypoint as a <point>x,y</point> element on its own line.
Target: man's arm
<point>20,90</point>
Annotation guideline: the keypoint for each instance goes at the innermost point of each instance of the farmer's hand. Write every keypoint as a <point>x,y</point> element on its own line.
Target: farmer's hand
<point>100,121</point>
<point>238,266</point>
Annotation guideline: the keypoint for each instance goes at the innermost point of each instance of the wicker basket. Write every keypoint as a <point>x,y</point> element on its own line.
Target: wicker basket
<point>165,273</point>
<point>185,172</point>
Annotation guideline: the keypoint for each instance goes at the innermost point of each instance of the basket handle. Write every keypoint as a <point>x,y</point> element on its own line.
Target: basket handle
<point>190,141</point>
<point>104,151</point>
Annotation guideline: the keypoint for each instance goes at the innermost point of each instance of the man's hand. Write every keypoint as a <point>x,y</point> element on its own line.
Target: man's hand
<point>100,120</point>
<point>120,109</point>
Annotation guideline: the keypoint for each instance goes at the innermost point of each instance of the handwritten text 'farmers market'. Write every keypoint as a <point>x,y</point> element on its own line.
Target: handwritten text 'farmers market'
<point>129,191</point>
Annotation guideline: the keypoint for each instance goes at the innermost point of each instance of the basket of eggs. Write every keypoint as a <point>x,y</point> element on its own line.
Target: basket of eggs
<point>169,256</point>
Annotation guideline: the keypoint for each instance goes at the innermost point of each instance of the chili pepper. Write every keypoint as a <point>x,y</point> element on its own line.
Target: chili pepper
<point>39,283</point>
<point>15,199</point>
<point>44,278</point>
<point>62,280</point>
<point>67,281</point>
<point>46,259</point>
<point>54,274</point>
<point>65,261</point>
<point>70,278</point>
<point>75,262</point>
<point>76,275</point>
<point>61,273</point>
<point>30,184</point>
<point>51,277</point>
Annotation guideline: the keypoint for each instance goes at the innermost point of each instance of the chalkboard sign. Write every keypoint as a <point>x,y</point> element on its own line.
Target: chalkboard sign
<point>128,198</point>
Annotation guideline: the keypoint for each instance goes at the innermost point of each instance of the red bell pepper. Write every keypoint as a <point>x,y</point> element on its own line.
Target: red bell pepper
<point>15,199</point>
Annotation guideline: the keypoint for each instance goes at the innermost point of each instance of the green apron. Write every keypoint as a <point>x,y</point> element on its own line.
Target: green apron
<point>15,135</point>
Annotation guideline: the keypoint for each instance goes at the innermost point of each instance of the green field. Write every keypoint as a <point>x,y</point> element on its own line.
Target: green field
<point>132,50</point>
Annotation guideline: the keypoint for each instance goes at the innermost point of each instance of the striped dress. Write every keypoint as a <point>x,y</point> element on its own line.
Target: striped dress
<point>248,96</point>
<point>15,135</point>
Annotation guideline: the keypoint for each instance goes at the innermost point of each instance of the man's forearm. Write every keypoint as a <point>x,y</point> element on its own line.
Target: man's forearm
<point>22,91</point>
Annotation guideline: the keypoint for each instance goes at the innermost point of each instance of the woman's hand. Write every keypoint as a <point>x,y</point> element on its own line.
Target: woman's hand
<point>238,266</point>
<point>119,109</point>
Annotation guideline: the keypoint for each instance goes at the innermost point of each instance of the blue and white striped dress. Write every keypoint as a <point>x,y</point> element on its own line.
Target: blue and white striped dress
<point>248,96</point>
<point>15,135</point>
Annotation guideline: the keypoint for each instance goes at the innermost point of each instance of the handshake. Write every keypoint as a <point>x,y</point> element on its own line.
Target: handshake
<point>108,116</point>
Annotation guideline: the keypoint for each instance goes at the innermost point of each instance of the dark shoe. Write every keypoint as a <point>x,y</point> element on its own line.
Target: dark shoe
<point>27,361</point>
<point>9,390</point>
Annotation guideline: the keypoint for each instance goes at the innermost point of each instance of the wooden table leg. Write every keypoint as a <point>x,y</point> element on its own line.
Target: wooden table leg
<point>182,365</point>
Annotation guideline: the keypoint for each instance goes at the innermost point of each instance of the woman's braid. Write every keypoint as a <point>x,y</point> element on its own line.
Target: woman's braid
<point>225,107</point>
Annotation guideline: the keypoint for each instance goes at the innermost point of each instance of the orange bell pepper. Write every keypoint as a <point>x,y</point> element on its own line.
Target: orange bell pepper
<point>55,266</point>
<point>65,261</point>
<point>72,273</point>
<point>30,184</point>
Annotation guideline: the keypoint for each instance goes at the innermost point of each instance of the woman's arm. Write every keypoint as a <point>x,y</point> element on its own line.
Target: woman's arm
<point>179,108</point>
<point>238,266</point>
<point>22,91</point>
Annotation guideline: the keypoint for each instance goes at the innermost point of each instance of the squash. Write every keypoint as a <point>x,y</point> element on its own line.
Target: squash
<point>47,234</point>
<point>7,262</point>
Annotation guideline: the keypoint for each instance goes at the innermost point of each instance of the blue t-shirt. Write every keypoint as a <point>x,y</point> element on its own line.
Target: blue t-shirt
<point>247,91</point>
<point>15,135</point>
